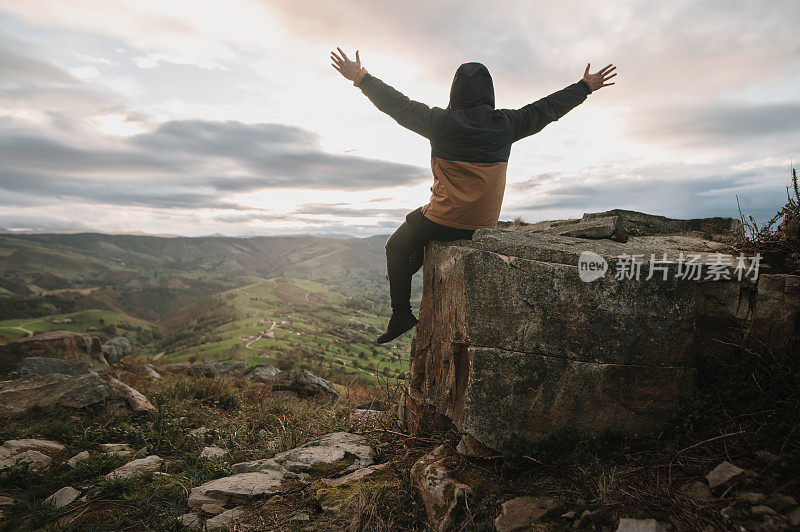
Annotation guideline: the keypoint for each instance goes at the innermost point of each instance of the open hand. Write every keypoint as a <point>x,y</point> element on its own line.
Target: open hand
<point>348,69</point>
<point>599,79</point>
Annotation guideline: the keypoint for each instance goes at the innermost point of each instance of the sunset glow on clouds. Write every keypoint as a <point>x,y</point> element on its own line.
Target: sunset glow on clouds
<point>205,117</point>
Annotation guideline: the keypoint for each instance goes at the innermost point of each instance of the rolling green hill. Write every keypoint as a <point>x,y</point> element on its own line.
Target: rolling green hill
<point>206,298</point>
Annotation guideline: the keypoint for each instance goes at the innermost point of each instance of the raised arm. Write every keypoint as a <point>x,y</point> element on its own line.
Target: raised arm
<point>535,116</point>
<point>409,113</point>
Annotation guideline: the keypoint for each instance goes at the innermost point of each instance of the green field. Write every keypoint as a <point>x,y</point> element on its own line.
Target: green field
<point>294,302</point>
<point>312,325</point>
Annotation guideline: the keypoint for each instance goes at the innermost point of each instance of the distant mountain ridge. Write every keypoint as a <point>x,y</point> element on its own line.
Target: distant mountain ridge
<point>137,272</point>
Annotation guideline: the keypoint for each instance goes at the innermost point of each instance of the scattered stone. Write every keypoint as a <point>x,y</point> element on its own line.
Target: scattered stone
<point>301,516</point>
<point>47,447</point>
<point>138,402</point>
<point>66,345</point>
<point>6,501</point>
<point>355,475</point>
<point>65,390</point>
<point>794,517</point>
<point>445,498</point>
<point>696,491</point>
<point>123,450</point>
<point>724,474</point>
<point>729,512</point>
<point>521,513</point>
<point>199,432</point>
<point>63,497</point>
<point>116,348</point>
<point>766,456</point>
<point>212,509</point>
<point>37,454</point>
<point>640,525</point>
<point>153,374</point>
<point>332,453</point>
<point>350,451</point>
<point>304,383</point>
<point>81,456</point>
<point>469,446</point>
<point>569,515</point>
<point>46,366</point>
<point>751,497</point>
<point>262,373</point>
<point>191,520</point>
<point>781,502</point>
<point>240,488</point>
<point>225,521</point>
<point>212,452</point>
<point>33,459</point>
<point>364,416</point>
<point>136,467</point>
<point>762,509</point>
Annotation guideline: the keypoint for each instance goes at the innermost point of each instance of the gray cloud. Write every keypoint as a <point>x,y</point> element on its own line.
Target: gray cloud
<point>171,166</point>
<point>699,191</point>
<point>344,210</point>
<point>721,123</point>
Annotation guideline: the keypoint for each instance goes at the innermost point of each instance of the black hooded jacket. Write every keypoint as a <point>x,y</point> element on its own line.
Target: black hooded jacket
<point>470,140</point>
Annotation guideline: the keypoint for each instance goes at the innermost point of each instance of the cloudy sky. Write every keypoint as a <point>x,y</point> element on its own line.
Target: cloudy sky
<point>199,117</point>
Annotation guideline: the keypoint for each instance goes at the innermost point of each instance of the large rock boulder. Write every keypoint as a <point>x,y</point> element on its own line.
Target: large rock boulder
<point>116,348</point>
<point>65,345</point>
<point>304,383</point>
<point>57,389</point>
<point>46,366</point>
<point>513,344</point>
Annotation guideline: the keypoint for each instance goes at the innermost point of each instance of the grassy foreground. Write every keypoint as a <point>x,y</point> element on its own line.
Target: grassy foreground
<point>756,427</point>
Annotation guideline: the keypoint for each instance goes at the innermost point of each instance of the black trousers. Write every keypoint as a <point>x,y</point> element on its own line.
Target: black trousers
<point>405,250</point>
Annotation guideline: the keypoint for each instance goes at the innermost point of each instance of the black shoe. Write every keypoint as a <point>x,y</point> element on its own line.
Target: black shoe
<point>398,324</point>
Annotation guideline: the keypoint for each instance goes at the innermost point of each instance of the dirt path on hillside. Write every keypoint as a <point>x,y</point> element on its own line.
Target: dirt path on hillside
<point>247,345</point>
<point>21,328</point>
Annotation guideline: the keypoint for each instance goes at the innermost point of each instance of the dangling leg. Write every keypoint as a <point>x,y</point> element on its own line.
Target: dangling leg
<point>404,244</point>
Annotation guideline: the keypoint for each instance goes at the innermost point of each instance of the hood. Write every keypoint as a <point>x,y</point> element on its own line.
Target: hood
<point>472,85</point>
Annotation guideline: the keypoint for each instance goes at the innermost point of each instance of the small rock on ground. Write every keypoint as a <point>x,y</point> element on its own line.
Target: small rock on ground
<point>148,464</point>
<point>751,497</point>
<point>640,525</point>
<point>355,475</point>
<point>75,460</point>
<point>63,497</point>
<point>47,447</point>
<point>34,460</point>
<point>224,521</point>
<point>152,373</point>
<point>212,452</point>
<point>723,474</point>
<point>520,513</point>
<point>138,402</point>
<point>6,501</point>
<point>794,517</point>
<point>445,498</point>
<point>696,491</point>
<point>191,520</point>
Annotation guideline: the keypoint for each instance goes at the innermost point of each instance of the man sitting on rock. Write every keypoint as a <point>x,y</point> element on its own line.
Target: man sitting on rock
<point>470,145</point>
